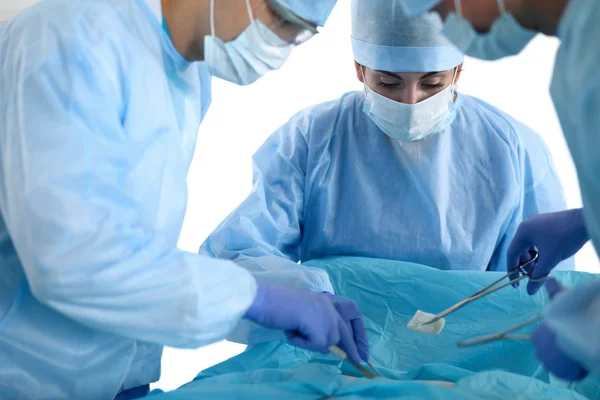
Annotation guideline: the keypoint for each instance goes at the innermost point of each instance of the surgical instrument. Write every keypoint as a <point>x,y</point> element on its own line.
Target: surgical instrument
<point>489,289</point>
<point>504,335</point>
<point>341,354</point>
<point>370,364</point>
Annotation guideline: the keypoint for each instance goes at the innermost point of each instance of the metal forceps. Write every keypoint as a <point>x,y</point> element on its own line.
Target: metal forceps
<point>341,354</point>
<point>491,288</point>
<point>504,335</point>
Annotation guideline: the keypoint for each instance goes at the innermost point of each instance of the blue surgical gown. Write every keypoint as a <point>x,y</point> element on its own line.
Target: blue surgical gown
<point>575,91</point>
<point>330,182</point>
<point>98,122</point>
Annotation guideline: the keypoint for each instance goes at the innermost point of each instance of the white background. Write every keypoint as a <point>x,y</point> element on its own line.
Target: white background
<point>242,118</point>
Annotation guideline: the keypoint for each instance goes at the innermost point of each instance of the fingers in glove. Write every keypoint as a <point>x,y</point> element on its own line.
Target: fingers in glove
<point>360,338</point>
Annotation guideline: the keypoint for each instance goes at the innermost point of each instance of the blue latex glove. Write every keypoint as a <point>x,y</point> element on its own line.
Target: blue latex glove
<point>354,321</point>
<point>547,351</point>
<point>310,320</point>
<point>556,237</point>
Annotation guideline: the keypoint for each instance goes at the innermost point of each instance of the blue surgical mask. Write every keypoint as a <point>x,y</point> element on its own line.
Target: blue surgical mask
<point>505,38</point>
<point>245,59</point>
<point>410,122</point>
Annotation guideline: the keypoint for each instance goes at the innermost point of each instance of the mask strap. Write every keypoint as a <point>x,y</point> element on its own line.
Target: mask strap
<point>501,6</point>
<point>453,90</point>
<point>362,71</point>
<point>250,14</point>
<point>458,7</point>
<point>212,17</point>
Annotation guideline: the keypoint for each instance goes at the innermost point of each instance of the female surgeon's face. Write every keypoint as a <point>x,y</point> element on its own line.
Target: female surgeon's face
<point>405,87</point>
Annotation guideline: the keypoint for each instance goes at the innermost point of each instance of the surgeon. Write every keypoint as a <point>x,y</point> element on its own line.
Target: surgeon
<point>406,169</point>
<point>569,340</point>
<point>100,103</point>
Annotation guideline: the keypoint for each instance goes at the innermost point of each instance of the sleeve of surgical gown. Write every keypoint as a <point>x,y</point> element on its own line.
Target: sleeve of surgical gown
<point>86,250</point>
<point>264,233</point>
<point>542,191</point>
<point>575,316</point>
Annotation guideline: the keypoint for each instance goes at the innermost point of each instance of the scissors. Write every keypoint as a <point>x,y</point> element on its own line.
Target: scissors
<point>489,289</point>
<point>341,354</point>
<point>504,335</point>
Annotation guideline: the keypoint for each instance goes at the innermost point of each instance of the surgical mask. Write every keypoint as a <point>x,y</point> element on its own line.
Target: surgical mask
<point>245,59</point>
<point>410,122</point>
<point>505,38</point>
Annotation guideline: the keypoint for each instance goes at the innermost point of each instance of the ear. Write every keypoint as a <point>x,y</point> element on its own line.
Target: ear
<point>458,72</point>
<point>359,73</point>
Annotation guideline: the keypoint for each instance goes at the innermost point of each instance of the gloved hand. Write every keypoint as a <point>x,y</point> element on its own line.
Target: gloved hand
<point>310,320</point>
<point>547,351</point>
<point>354,321</point>
<point>556,236</point>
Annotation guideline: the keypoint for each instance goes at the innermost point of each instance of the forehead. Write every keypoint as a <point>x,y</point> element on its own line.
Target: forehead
<point>411,75</point>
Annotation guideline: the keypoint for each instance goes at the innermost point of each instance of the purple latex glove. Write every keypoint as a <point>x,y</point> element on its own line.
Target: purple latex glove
<point>556,236</point>
<point>548,352</point>
<point>310,320</point>
<point>354,321</point>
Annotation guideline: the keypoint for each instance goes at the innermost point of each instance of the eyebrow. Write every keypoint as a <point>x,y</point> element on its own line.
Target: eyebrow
<point>393,75</point>
<point>427,75</point>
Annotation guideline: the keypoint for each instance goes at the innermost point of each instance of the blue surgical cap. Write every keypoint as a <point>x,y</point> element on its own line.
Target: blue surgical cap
<point>315,11</point>
<point>418,7</point>
<point>385,39</point>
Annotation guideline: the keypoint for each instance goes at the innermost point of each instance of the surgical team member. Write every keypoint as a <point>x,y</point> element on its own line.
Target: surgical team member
<point>407,169</point>
<point>100,103</point>
<point>568,343</point>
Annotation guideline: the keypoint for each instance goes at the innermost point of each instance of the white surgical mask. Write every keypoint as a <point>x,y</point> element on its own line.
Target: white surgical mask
<point>410,122</point>
<point>245,59</point>
<point>505,38</point>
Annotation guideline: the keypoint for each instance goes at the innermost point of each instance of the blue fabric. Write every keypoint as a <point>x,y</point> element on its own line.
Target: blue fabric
<point>575,317</point>
<point>330,182</point>
<point>315,11</point>
<point>576,98</point>
<point>405,59</point>
<point>384,39</point>
<point>389,293</point>
<point>134,393</point>
<point>418,7</point>
<point>98,122</point>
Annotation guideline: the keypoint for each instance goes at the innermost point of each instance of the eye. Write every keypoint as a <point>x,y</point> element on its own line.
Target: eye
<point>389,82</point>
<point>284,25</point>
<point>433,86</point>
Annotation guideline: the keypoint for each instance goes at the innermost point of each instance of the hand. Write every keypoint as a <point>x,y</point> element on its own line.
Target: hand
<point>554,360</point>
<point>354,321</point>
<point>310,320</point>
<point>548,352</point>
<point>556,237</point>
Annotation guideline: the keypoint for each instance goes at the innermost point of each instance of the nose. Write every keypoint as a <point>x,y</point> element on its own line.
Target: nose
<point>409,95</point>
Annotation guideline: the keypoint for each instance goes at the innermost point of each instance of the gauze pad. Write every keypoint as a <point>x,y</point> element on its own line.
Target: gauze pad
<point>419,321</point>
